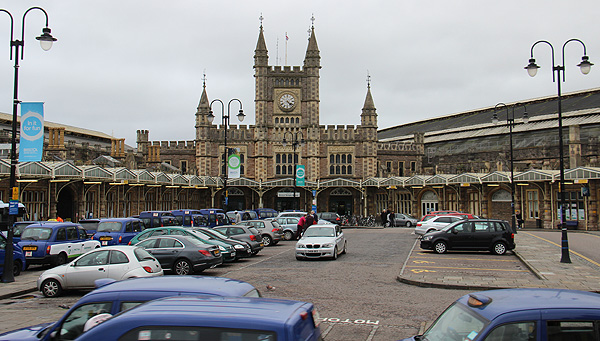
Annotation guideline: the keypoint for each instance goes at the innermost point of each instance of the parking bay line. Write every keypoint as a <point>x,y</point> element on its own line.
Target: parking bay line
<point>260,261</point>
<point>458,268</point>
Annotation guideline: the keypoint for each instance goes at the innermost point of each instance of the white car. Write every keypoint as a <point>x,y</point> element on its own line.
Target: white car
<point>319,241</point>
<point>435,224</point>
<point>117,262</point>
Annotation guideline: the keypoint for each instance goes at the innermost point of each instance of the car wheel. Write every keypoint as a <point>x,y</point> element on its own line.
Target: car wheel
<point>267,240</point>
<point>61,259</point>
<point>51,288</point>
<point>288,235</point>
<point>344,250</point>
<point>182,267</point>
<point>335,253</point>
<point>499,248</point>
<point>17,266</point>
<point>408,224</point>
<point>440,247</point>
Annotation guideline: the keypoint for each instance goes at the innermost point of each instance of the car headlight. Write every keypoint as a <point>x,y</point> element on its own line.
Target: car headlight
<point>328,245</point>
<point>427,238</point>
<point>221,248</point>
<point>239,246</point>
<point>298,245</point>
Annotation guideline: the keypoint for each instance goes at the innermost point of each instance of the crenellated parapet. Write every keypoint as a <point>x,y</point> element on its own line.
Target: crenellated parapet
<point>339,132</point>
<point>174,145</point>
<point>398,146</point>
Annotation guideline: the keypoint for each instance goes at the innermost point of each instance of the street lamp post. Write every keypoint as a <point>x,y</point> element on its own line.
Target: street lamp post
<point>295,143</point>
<point>46,41</point>
<point>585,67</point>
<point>225,124</point>
<point>510,122</point>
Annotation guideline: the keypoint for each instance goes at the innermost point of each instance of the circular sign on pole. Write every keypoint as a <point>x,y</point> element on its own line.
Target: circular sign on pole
<point>32,126</point>
<point>234,161</point>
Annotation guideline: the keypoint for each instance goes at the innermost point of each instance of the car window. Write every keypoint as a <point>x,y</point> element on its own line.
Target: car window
<point>520,331</point>
<point>82,233</point>
<point>147,244</point>
<point>164,243</point>
<point>442,220</point>
<point>480,226</point>
<point>118,257</point>
<point>463,227</point>
<point>72,327</point>
<point>72,233</point>
<point>207,333</point>
<point>158,232</point>
<point>94,258</point>
<point>236,230</point>
<point>61,234</point>
<point>177,232</point>
<point>142,254</point>
<point>109,226</point>
<point>570,330</point>
<point>253,230</point>
<point>499,226</point>
<point>136,226</point>
<point>128,227</point>
<point>36,233</point>
<point>129,305</point>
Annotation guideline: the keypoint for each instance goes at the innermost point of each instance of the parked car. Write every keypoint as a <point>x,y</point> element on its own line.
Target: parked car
<point>118,262</point>
<point>158,219</point>
<point>454,213</point>
<point>90,225</point>
<point>518,314</point>
<point>289,226</point>
<point>183,255</point>
<point>211,318</point>
<point>245,214</point>
<point>228,252</point>
<point>321,241</point>
<point>401,219</point>
<point>297,214</point>
<point>215,217</point>
<point>264,213</point>
<point>247,234</point>
<point>331,217</point>
<point>55,243</point>
<point>436,223</point>
<point>473,234</point>
<point>19,262</point>
<point>242,249</point>
<point>185,217</point>
<point>115,231</point>
<point>118,296</point>
<point>18,228</point>
<point>270,230</point>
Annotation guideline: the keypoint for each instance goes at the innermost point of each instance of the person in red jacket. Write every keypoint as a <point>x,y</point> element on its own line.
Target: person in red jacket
<point>299,227</point>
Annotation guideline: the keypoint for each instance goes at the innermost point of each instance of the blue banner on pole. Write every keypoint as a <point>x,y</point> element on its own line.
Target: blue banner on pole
<point>31,143</point>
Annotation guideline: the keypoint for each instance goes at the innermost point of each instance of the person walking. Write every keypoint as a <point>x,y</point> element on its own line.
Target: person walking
<point>390,219</point>
<point>384,215</point>
<point>301,223</point>
<point>238,218</point>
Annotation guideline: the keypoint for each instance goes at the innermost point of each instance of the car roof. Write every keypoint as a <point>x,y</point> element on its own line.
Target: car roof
<point>510,300</point>
<point>181,284</point>
<point>119,219</point>
<point>52,224</point>
<point>237,312</point>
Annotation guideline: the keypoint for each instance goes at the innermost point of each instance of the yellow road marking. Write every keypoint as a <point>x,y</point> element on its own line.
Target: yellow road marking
<point>482,259</point>
<point>577,253</point>
<point>456,268</point>
<point>418,271</point>
<point>423,262</point>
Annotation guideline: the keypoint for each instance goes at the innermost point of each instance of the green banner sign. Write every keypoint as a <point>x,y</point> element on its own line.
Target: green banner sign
<point>299,175</point>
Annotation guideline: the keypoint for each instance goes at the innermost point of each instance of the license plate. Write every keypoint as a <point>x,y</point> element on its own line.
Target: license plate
<point>104,242</point>
<point>313,251</point>
<point>30,248</point>
<point>105,238</point>
<point>28,253</point>
<point>261,244</point>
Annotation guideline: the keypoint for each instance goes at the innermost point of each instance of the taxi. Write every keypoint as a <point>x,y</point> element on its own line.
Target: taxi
<point>55,243</point>
<point>117,231</point>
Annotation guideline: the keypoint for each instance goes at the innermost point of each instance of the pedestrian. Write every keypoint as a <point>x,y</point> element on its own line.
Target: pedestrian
<point>383,217</point>
<point>315,216</point>
<point>308,221</point>
<point>301,222</point>
<point>519,218</point>
<point>238,218</point>
<point>390,218</point>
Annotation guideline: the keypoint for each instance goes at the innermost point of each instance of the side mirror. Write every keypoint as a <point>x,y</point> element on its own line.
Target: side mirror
<point>454,231</point>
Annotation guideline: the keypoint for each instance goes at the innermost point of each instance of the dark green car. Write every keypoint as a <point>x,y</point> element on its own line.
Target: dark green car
<point>227,250</point>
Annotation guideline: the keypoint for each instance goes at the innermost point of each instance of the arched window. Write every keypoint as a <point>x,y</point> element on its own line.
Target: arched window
<point>349,158</point>
<point>343,169</point>
<point>337,158</point>
<point>331,169</point>
<point>278,169</point>
<point>277,158</point>
<point>297,120</point>
<point>343,158</point>
<point>331,158</point>
<point>276,120</point>
<point>349,169</point>
<point>337,169</point>
<point>290,169</point>
<point>287,120</point>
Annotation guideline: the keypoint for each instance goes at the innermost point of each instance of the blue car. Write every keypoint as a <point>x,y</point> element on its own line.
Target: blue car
<point>117,296</point>
<point>55,243</point>
<point>19,262</point>
<point>185,217</point>
<point>117,231</point>
<point>518,314</point>
<point>211,318</point>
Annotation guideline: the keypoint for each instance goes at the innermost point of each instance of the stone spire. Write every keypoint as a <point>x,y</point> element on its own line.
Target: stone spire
<point>313,56</point>
<point>203,107</point>
<point>261,54</point>
<point>369,113</point>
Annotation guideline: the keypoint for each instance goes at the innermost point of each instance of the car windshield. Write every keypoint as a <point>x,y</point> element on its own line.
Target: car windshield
<point>216,233</point>
<point>89,225</point>
<point>201,234</point>
<point>107,226</point>
<point>36,233</point>
<point>320,232</point>
<point>455,323</point>
<point>142,254</point>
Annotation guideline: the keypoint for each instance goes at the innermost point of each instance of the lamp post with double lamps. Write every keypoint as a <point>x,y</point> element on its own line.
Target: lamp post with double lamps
<point>225,124</point>
<point>510,122</point>
<point>46,41</point>
<point>585,67</point>
<point>295,143</point>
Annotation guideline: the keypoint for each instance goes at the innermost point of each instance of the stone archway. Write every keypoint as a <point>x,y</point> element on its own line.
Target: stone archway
<point>65,206</point>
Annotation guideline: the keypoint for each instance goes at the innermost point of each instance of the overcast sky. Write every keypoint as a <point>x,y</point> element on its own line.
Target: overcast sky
<point>123,65</point>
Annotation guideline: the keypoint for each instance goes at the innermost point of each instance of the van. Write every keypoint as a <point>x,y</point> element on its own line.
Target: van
<point>215,217</point>
<point>184,217</point>
<point>158,219</point>
<point>264,213</point>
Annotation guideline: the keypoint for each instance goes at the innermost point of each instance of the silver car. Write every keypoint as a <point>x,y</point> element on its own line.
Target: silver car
<point>435,224</point>
<point>401,219</point>
<point>270,230</point>
<point>117,262</point>
<point>319,241</point>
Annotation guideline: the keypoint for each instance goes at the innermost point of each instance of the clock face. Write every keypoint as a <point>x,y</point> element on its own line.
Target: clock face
<point>287,102</point>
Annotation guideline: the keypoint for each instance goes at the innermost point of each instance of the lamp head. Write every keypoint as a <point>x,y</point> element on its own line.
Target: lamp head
<point>46,39</point>
<point>532,67</point>
<point>585,65</point>
<point>525,117</point>
<point>284,142</point>
<point>495,119</point>
<point>210,117</point>
<point>302,142</point>
<point>241,115</point>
